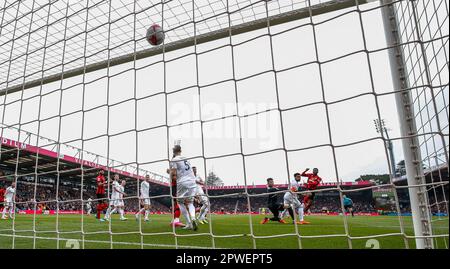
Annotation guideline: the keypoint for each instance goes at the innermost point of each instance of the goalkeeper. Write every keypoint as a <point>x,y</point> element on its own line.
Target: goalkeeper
<point>348,205</point>
<point>272,203</point>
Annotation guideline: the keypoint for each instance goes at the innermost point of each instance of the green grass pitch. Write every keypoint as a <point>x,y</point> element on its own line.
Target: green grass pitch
<point>157,233</point>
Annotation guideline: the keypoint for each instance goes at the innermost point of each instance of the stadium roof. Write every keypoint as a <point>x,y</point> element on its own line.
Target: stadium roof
<point>432,174</point>
<point>24,156</point>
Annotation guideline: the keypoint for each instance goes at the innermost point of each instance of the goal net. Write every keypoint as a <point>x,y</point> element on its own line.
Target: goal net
<point>254,90</point>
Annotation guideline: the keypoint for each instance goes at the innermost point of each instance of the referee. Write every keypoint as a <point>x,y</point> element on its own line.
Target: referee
<point>272,203</point>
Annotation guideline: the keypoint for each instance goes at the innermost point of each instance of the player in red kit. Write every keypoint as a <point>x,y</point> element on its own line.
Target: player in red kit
<point>311,184</point>
<point>2,197</point>
<point>101,193</point>
<point>176,209</point>
<point>2,191</point>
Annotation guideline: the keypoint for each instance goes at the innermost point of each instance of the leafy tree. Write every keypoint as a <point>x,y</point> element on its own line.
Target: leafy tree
<point>213,180</point>
<point>379,179</point>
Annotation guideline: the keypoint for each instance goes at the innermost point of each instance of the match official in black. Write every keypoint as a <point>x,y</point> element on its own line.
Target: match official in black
<point>272,203</point>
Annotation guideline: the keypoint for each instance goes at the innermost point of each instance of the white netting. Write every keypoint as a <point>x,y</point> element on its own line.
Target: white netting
<point>81,89</point>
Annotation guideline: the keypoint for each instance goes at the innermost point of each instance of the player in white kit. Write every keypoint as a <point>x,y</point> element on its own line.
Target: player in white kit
<point>116,203</point>
<point>144,198</point>
<point>10,195</point>
<point>201,198</point>
<point>186,187</point>
<point>89,207</point>
<point>121,206</point>
<point>291,199</point>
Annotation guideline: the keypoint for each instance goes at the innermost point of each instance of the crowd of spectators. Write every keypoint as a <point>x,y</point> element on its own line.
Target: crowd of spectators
<point>43,196</point>
<point>321,204</point>
<point>70,199</point>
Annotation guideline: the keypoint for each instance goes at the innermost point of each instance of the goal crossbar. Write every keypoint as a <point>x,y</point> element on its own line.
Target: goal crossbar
<point>281,18</point>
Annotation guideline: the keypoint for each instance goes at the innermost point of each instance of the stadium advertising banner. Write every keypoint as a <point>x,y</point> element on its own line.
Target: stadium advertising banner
<point>49,212</point>
<point>384,198</point>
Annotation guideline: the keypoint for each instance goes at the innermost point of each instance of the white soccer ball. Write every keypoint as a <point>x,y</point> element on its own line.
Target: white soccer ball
<point>155,35</point>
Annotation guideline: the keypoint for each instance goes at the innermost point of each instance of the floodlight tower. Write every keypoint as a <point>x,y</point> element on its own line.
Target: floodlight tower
<point>380,126</point>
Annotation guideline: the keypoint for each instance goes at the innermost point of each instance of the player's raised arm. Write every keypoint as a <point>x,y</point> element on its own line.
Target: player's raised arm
<point>172,170</point>
<point>304,172</point>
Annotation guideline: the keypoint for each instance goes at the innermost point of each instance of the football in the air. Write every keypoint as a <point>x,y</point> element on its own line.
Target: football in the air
<point>155,35</point>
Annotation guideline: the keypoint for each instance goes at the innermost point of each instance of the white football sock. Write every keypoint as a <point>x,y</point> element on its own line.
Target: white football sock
<point>300,213</point>
<point>192,211</point>
<point>112,212</point>
<point>185,213</point>
<point>284,213</point>
<point>108,212</point>
<point>203,211</point>
<point>121,212</point>
<point>200,214</point>
<point>4,212</point>
<point>147,212</point>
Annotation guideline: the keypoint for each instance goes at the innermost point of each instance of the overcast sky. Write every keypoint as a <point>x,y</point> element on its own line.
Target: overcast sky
<point>305,129</point>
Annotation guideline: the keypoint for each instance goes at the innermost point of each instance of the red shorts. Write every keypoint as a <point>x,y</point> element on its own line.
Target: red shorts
<point>101,198</point>
<point>309,197</point>
<point>174,190</point>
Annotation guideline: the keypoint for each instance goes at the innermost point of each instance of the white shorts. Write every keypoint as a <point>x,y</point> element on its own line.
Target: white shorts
<point>203,199</point>
<point>8,204</point>
<point>116,202</point>
<point>146,201</point>
<point>291,199</point>
<point>186,189</point>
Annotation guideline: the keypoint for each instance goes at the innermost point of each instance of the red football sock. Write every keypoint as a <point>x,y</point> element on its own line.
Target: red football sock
<point>176,212</point>
<point>308,202</point>
<point>100,208</point>
<point>305,199</point>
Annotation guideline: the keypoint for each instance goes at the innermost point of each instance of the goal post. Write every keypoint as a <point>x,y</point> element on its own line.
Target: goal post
<point>413,159</point>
